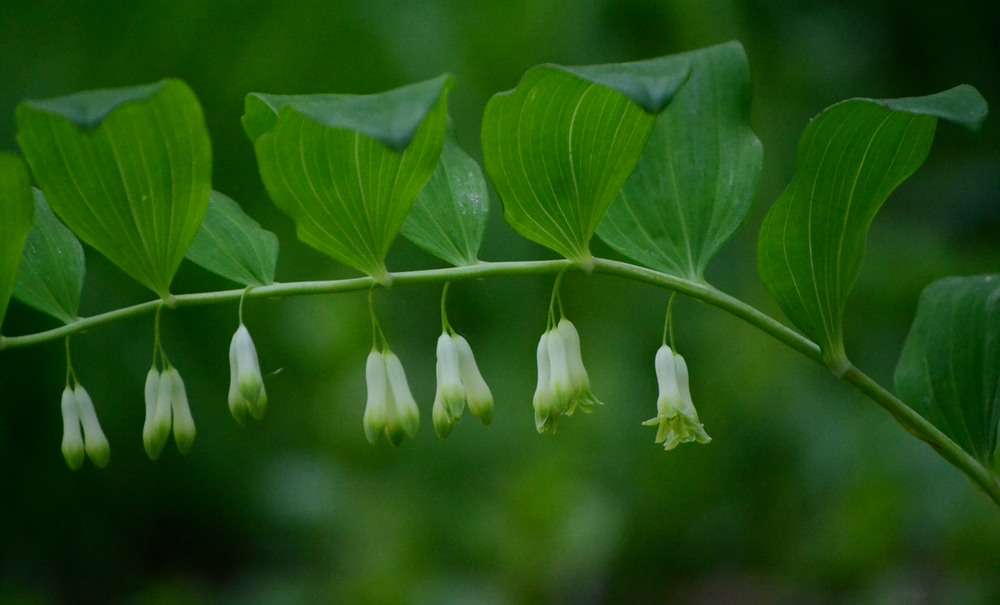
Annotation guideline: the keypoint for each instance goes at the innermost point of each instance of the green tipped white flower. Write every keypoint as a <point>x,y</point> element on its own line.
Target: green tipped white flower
<point>72,442</point>
<point>96,444</point>
<point>184,429</point>
<point>544,400</point>
<point>580,381</point>
<point>449,379</point>
<point>406,415</point>
<point>377,409</point>
<point>676,419</point>
<point>247,396</point>
<point>560,381</point>
<point>477,392</point>
<point>156,429</point>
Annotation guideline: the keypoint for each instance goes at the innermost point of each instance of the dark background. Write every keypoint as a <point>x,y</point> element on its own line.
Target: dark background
<point>809,493</point>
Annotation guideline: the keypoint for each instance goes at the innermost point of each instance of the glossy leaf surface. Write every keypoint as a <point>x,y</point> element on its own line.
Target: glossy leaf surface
<point>851,157</point>
<point>949,370</point>
<point>53,267</point>
<point>349,183</point>
<point>233,245</point>
<point>696,180</point>
<point>16,216</point>
<point>128,170</point>
<point>559,146</point>
<point>449,216</point>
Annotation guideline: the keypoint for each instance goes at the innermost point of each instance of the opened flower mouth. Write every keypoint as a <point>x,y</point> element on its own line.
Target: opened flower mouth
<point>676,419</point>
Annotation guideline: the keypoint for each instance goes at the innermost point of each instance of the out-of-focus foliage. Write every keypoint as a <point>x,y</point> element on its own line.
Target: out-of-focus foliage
<point>807,492</point>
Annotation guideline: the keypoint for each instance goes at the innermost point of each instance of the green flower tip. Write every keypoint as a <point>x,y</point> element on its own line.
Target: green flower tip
<point>459,382</point>
<point>391,408</point>
<point>166,407</point>
<point>676,419</point>
<point>247,396</point>
<point>78,411</point>
<point>563,383</point>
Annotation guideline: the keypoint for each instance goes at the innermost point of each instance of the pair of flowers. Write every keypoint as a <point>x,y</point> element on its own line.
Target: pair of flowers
<point>78,410</point>
<point>563,383</point>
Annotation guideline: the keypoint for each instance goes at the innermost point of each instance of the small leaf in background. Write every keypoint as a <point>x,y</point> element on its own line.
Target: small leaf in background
<point>16,215</point>
<point>559,146</point>
<point>52,269</point>
<point>233,245</point>
<point>851,157</point>
<point>696,180</point>
<point>347,168</point>
<point>949,370</point>
<point>127,170</point>
<point>449,216</point>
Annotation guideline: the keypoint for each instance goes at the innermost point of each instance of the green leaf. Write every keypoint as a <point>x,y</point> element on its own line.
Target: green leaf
<point>233,245</point>
<point>52,269</point>
<point>449,216</point>
<point>949,370</point>
<point>559,146</point>
<point>851,157</point>
<point>16,216</point>
<point>348,168</point>
<point>128,170</point>
<point>694,183</point>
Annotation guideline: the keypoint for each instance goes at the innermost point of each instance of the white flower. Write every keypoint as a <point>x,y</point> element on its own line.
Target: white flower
<point>166,407</point>
<point>77,409</point>
<point>676,419</point>
<point>247,396</point>
<point>458,382</point>
<point>391,407</point>
<point>376,410</point>
<point>563,383</point>
<point>477,392</point>
<point>449,384</point>
<point>184,429</point>
<point>580,381</point>
<point>544,400</point>
<point>72,441</point>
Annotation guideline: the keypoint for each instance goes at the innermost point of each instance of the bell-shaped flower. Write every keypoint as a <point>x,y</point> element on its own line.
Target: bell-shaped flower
<point>247,396</point>
<point>405,415</point>
<point>72,441</point>
<point>477,392</point>
<point>377,409</point>
<point>544,400</point>
<point>156,428</point>
<point>676,419</point>
<point>449,379</point>
<point>580,381</point>
<point>166,407</point>
<point>560,381</point>
<point>184,429</point>
<point>78,409</point>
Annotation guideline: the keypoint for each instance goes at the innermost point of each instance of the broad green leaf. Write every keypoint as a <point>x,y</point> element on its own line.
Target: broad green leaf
<point>851,157</point>
<point>949,370</point>
<point>128,170</point>
<point>695,181</point>
<point>233,245</point>
<point>16,216</point>
<point>449,215</point>
<point>347,168</point>
<point>559,146</point>
<point>52,269</point>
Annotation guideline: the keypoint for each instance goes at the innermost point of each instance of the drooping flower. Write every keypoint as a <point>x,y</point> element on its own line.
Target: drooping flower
<point>676,418</point>
<point>247,396</point>
<point>78,409</point>
<point>563,383</point>
<point>391,408</point>
<point>477,392</point>
<point>184,429</point>
<point>166,407</point>
<point>376,410</point>
<point>72,441</point>
<point>580,381</point>
<point>544,400</point>
<point>458,382</point>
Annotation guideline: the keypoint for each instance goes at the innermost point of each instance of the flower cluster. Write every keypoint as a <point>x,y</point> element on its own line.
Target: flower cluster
<point>166,406</point>
<point>676,419</point>
<point>391,407</point>
<point>77,410</point>
<point>247,396</point>
<point>563,384</point>
<point>458,382</point>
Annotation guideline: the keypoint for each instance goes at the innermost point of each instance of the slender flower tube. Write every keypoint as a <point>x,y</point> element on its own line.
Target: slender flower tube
<point>580,381</point>
<point>72,442</point>
<point>151,392</point>
<point>443,421</point>
<point>159,423</point>
<point>184,429</point>
<point>560,380</point>
<point>449,385</point>
<point>676,418</point>
<point>477,392</point>
<point>95,442</point>
<point>247,396</point>
<point>544,400</point>
<point>377,409</point>
<point>405,416</point>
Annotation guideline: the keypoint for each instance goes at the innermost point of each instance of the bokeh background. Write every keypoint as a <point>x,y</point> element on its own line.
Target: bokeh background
<point>809,493</point>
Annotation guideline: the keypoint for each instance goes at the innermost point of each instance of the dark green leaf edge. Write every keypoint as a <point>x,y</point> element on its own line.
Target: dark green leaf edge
<point>88,109</point>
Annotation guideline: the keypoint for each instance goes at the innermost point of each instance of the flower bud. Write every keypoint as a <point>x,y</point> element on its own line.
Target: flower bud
<point>184,429</point>
<point>443,422</point>
<point>159,426</point>
<point>376,410</point>
<point>406,416</point>
<point>449,380</point>
<point>582,396</point>
<point>544,399</point>
<point>676,419</point>
<point>560,381</point>
<point>72,441</point>
<point>98,449</point>
<point>477,392</point>
<point>151,393</point>
<point>247,396</point>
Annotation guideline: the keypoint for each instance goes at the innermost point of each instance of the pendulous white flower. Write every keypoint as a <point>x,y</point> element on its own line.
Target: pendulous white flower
<point>458,382</point>
<point>166,407</point>
<point>96,444</point>
<point>184,429</point>
<point>405,415</point>
<point>676,419</point>
<point>72,441</point>
<point>377,409</point>
<point>563,383</point>
<point>449,379</point>
<point>247,396</point>
<point>544,400</point>
<point>580,381</point>
<point>477,392</point>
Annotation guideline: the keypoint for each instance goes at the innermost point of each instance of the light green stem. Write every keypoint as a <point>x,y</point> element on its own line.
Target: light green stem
<point>909,419</point>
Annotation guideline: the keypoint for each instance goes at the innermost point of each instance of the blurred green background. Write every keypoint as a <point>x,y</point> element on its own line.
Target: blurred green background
<point>809,493</point>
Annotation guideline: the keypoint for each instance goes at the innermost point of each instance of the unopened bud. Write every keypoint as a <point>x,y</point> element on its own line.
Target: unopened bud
<point>72,441</point>
<point>477,392</point>
<point>98,449</point>
<point>376,410</point>
<point>184,429</point>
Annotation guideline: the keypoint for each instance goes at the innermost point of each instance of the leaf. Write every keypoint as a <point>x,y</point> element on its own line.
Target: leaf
<point>348,168</point>
<point>128,170</point>
<point>949,370</point>
<point>559,146</point>
<point>449,216</point>
<point>52,269</point>
<point>233,245</point>
<point>16,216</point>
<point>851,157</point>
<point>694,183</point>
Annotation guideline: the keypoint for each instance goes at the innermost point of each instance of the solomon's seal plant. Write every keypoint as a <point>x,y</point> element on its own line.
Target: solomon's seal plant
<point>656,158</point>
